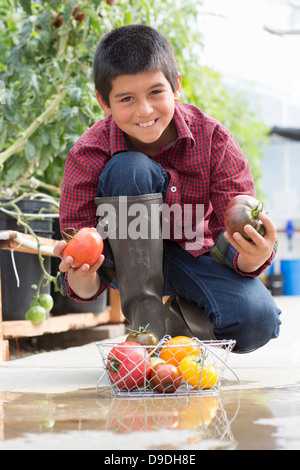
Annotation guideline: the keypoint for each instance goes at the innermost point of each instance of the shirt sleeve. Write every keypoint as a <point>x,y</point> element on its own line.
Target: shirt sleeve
<point>65,289</point>
<point>77,208</point>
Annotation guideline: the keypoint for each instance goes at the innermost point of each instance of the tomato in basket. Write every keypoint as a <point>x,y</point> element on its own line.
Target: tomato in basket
<point>198,373</point>
<point>177,348</point>
<point>165,378</point>
<point>128,365</point>
<point>144,336</point>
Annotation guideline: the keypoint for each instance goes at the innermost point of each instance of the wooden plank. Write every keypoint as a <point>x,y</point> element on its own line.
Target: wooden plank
<point>71,321</point>
<point>115,303</point>
<point>13,244</point>
<point>1,318</point>
<point>4,345</point>
<point>4,351</point>
<point>2,436</point>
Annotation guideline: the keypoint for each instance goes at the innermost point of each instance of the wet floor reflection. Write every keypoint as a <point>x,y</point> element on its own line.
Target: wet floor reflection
<point>249,419</point>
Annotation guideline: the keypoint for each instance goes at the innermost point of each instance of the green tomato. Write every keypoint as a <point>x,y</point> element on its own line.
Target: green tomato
<point>46,301</point>
<point>36,314</point>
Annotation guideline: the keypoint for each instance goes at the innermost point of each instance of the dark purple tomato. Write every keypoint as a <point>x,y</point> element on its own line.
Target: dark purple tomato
<point>243,210</point>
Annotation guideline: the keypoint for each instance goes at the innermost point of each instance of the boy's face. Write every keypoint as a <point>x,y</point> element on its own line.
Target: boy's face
<point>142,106</point>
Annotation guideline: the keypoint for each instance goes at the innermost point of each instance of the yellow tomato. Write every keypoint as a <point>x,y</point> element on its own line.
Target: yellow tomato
<point>177,348</point>
<point>198,373</point>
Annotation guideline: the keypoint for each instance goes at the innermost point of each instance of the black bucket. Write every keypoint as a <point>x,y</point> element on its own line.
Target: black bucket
<point>64,304</point>
<point>16,300</point>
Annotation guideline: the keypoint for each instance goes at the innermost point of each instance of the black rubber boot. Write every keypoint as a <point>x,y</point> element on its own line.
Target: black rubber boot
<point>139,261</point>
<point>186,319</point>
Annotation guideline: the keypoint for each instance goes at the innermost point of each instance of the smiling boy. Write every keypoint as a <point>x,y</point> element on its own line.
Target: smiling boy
<point>152,151</point>
<point>143,108</point>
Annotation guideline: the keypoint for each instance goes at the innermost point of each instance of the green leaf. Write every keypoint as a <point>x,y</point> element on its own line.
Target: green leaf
<point>68,12</point>
<point>15,169</point>
<point>54,141</point>
<point>45,136</point>
<point>26,5</point>
<point>30,151</point>
<point>3,133</point>
<point>75,95</point>
<point>25,32</point>
<point>45,158</point>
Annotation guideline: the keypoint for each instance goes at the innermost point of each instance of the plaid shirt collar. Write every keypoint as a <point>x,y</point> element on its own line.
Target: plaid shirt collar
<point>118,141</point>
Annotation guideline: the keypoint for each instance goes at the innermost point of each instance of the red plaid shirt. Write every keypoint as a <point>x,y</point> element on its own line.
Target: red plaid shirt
<point>205,165</point>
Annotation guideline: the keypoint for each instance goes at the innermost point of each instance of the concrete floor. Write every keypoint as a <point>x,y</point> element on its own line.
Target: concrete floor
<point>49,401</point>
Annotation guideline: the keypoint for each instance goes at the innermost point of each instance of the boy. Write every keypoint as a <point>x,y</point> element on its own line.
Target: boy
<point>153,152</point>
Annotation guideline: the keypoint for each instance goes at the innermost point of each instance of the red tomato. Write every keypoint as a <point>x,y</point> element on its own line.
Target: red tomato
<point>85,246</point>
<point>79,16</point>
<point>128,365</point>
<point>165,378</point>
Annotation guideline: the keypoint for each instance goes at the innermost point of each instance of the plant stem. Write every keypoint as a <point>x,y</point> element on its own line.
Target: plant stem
<point>256,211</point>
<point>21,142</point>
<point>37,184</point>
<point>20,221</point>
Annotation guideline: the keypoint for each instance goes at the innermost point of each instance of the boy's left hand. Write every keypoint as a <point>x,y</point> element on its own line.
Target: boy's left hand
<point>253,255</point>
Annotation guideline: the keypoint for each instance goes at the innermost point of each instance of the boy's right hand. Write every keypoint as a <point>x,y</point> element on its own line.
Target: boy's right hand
<point>84,281</point>
<point>66,263</point>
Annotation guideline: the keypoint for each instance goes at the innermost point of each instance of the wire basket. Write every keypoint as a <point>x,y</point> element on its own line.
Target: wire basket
<point>195,367</point>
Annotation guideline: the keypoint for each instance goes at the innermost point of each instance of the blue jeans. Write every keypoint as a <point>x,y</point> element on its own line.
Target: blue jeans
<point>241,308</point>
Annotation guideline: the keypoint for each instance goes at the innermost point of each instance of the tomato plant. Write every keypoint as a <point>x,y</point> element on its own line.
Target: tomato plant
<point>85,246</point>
<point>165,378</point>
<point>177,348</point>
<point>128,365</point>
<point>145,337</point>
<point>36,314</point>
<point>243,210</point>
<point>198,373</point>
<point>39,307</point>
<point>78,15</point>
<point>46,301</point>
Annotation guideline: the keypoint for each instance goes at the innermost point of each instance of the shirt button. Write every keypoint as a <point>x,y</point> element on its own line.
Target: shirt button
<point>173,189</point>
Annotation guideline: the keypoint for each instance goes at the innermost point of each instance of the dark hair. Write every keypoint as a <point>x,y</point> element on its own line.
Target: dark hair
<point>129,50</point>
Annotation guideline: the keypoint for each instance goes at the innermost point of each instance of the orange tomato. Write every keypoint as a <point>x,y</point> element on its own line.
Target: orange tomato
<point>198,373</point>
<point>177,348</point>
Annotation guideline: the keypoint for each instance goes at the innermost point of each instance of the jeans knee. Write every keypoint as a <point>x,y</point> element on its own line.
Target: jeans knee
<point>255,326</point>
<point>131,174</point>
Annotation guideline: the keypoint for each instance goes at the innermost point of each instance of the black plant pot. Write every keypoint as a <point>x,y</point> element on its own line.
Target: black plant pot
<point>16,300</point>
